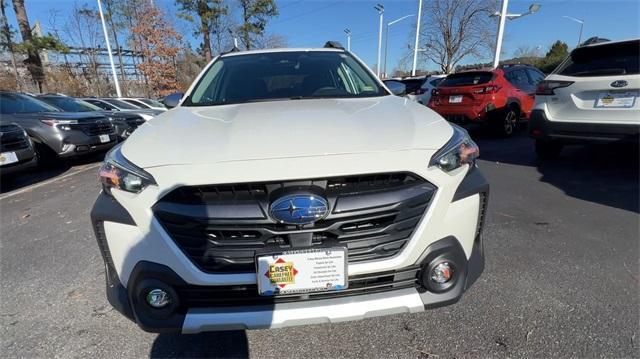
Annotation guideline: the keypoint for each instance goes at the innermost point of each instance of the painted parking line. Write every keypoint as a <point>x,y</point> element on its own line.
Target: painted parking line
<point>51,180</point>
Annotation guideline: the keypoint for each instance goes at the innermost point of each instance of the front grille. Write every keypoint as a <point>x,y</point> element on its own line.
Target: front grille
<point>94,128</point>
<point>220,227</point>
<point>242,295</point>
<point>12,138</point>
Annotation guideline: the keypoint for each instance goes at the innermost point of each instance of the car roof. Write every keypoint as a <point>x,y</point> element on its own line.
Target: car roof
<point>267,51</point>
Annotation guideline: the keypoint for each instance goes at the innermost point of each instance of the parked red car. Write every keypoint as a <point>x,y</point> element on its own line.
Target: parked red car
<point>500,97</point>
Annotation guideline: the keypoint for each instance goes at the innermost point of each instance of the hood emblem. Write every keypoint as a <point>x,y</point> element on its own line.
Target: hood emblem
<point>299,209</point>
<point>619,83</point>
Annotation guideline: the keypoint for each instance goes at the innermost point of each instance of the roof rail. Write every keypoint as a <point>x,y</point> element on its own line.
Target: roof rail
<point>333,45</point>
<point>234,49</point>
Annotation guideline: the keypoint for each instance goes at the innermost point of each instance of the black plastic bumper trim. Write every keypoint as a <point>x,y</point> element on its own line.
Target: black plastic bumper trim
<point>473,183</point>
<point>107,209</point>
<point>541,128</point>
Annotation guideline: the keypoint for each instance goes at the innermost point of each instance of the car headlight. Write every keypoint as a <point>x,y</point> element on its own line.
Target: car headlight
<point>117,172</point>
<point>61,124</point>
<point>146,116</point>
<point>460,150</point>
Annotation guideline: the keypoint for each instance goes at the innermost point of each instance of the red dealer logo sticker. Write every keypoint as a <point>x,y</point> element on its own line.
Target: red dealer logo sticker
<point>281,273</point>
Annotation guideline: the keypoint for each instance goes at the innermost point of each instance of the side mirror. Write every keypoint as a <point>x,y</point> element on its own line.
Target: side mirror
<point>171,101</point>
<point>397,88</point>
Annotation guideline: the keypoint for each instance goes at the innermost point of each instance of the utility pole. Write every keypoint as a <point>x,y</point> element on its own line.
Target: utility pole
<point>380,10</point>
<point>415,45</point>
<point>106,38</point>
<point>348,32</point>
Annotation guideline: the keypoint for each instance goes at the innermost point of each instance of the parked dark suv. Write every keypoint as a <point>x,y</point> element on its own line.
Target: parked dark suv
<point>500,97</point>
<point>57,134</point>
<point>125,122</point>
<point>16,149</point>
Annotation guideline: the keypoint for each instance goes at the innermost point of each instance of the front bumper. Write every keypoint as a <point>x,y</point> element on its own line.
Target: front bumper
<point>542,129</point>
<point>26,160</point>
<point>137,250</point>
<point>77,144</point>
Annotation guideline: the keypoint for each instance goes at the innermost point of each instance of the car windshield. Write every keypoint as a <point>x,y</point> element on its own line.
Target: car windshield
<point>19,103</point>
<point>121,104</point>
<point>70,104</point>
<point>150,102</point>
<point>432,83</point>
<point>603,60</point>
<point>283,75</point>
<point>467,79</point>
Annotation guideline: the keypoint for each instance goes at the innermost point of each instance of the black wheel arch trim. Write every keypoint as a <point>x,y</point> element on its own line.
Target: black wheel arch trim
<point>107,209</point>
<point>473,183</point>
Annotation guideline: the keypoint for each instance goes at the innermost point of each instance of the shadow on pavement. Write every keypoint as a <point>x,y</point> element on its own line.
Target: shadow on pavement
<point>38,174</point>
<point>227,344</point>
<point>604,174</point>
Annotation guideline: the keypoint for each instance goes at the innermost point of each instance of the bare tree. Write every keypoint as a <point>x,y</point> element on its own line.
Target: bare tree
<point>33,61</point>
<point>82,28</point>
<point>456,29</point>
<point>526,52</point>
<point>7,41</point>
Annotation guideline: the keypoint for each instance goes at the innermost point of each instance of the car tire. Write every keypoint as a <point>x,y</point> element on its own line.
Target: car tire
<point>547,150</point>
<point>506,122</point>
<point>46,156</point>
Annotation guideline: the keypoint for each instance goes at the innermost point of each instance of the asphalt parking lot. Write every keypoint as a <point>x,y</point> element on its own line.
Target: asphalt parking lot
<point>562,276</point>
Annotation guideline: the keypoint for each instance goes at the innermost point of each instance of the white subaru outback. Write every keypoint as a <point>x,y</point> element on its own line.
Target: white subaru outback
<point>289,187</point>
<point>592,97</point>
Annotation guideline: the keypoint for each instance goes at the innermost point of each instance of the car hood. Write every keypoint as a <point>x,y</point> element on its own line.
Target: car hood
<point>285,129</point>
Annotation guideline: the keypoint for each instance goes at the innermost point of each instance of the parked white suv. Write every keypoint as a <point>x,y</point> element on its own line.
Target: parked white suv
<point>289,187</point>
<point>593,96</point>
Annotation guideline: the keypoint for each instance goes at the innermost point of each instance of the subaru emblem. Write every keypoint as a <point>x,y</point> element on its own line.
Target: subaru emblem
<point>619,83</point>
<point>299,209</point>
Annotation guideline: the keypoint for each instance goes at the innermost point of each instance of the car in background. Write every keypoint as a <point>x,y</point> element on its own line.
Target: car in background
<point>144,103</point>
<point>16,149</point>
<point>124,122</point>
<point>593,96</point>
<point>499,97</point>
<point>115,105</point>
<point>427,87</point>
<point>57,134</point>
<point>412,85</point>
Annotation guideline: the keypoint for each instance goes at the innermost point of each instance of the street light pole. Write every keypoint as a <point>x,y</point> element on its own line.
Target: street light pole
<point>348,32</point>
<point>581,26</point>
<point>533,8</point>
<point>106,39</point>
<point>503,18</point>
<point>386,40</point>
<point>415,45</point>
<point>380,10</point>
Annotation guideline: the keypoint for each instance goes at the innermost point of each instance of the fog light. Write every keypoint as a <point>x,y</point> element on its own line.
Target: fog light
<point>158,298</point>
<point>442,273</point>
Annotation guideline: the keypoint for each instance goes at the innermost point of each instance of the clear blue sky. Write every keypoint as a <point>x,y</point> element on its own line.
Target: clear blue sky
<point>309,23</point>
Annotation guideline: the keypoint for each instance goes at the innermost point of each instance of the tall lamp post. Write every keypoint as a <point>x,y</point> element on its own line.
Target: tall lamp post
<point>106,39</point>
<point>581,22</point>
<point>415,46</point>
<point>380,10</point>
<point>386,40</point>
<point>533,8</point>
<point>348,32</point>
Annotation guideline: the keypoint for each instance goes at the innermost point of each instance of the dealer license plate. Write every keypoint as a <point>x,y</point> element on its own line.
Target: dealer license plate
<point>302,271</point>
<point>104,138</point>
<point>455,99</point>
<point>8,158</point>
<point>616,99</point>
